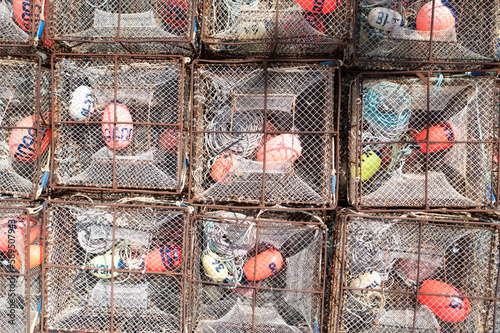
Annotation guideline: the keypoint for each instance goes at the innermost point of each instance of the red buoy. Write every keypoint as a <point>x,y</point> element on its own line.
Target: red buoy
<point>15,228</point>
<point>165,258</point>
<point>443,132</point>
<point>268,263</point>
<point>452,308</point>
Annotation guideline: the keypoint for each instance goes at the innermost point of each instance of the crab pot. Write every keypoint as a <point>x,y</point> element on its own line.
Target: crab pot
<point>406,275</point>
<point>284,28</point>
<point>264,133</point>
<point>16,22</point>
<point>114,268</point>
<point>143,148</point>
<point>422,141</point>
<point>257,273</point>
<point>446,32</point>
<point>139,26</point>
<point>20,273</point>
<point>25,127</point>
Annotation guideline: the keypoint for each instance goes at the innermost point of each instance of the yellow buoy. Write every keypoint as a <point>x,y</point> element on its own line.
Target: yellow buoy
<point>214,268</point>
<point>370,163</point>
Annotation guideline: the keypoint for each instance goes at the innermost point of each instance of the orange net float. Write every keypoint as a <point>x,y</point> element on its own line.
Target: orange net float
<point>23,144</point>
<point>442,132</point>
<point>319,6</point>
<point>17,227</point>
<point>124,132</point>
<point>35,253</point>
<point>222,166</point>
<point>164,258</point>
<point>263,265</point>
<point>443,17</point>
<point>453,309</point>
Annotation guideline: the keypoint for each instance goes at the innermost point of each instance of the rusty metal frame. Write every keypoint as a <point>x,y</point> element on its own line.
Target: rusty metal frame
<point>336,313</point>
<point>114,58</point>
<point>277,41</point>
<point>180,275</point>
<point>336,93</point>
<point>356,58</point>
<point>425,76</point>
<point>39,123</point>
<point>31,34</point>
<point>28,275</point>
<point>117,38</point>
<point>253,285</point>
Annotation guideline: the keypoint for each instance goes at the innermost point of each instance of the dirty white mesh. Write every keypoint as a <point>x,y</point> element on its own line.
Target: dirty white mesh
<point>464,31</point>
<point>272,27</point>
<point>230,115</point>
<point>296,304</point>
<point>150,91</point>
<point>391,169</point>
<point>383,253</point>
<point>146,297</point>
<point>105,20</point>
<point>21,160</point>
<point>10,32</point>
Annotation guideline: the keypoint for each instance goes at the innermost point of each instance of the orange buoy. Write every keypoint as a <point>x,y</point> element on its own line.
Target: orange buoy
<point>443,17</point>
<point>165,258</point>
<point>222,166</point>
<point>442,132</point>
<point>23,142</point>
<point>268,263</point>
<point>169,140</point>
<point>319,6</point>
<point>452,308</point>
<point>15,226</point>
<point>35,252</point>
<point>284,147</point>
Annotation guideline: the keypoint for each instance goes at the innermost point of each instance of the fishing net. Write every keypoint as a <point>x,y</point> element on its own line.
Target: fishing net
<point>21,292</point>
<point>150,92</point>
<point>236,113</point>
<point>22,157</point>
<point>146,297</point>
<point>393,168</point>
<point>10,32</point>
<point>127,20</point>
<point>383,254</point>
<point>288,300</point>
<point>271,28</point>
<point>463,31</point>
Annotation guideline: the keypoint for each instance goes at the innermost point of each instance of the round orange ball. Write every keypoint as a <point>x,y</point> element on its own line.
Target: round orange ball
<point>35,253</point>
<point>443,17</point>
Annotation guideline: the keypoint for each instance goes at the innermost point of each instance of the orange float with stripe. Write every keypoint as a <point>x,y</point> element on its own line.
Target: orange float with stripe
<point>165,258</point>
<point>268,263</point>
<point>453,308</point>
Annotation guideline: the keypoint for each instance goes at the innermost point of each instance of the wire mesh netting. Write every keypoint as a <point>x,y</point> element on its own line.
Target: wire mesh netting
<point>391,163</point>
<point>292,28</point>
<point>24,135</point>
<point>256,275</point>
<point>146,147</point>
<point>264,134</point>
<point>20,292</point>
<point>142,291</point>
<point>121,20</point>
<point>462,30</point>
<point>408,275</point>
<point>16,22</point>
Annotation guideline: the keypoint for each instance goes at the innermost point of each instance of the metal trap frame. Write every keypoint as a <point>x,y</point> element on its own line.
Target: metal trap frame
<point>17,31</point>
<point>145,152</point>
<point>441,33</point>
<point>24,126</point>
<point>275,28</point>
<point>21,283</point>
<point>420,274</point>
<point>282,294</point>
<point>121,26</point>
<point>242,107</point>
<point>144,290</point>
<point>423,140</point>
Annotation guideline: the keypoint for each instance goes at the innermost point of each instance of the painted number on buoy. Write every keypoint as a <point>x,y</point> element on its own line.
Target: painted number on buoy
<point>273,268</point>
<point>456,303</point>
<point>384,18</point>
<point>218,266</point>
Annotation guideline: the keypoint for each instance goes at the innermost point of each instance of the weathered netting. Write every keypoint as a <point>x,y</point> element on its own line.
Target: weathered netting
<point>15,297</point>
<point>127,20</point>
<point>272,28</point>
<point>150,90</point>
<point>233,240</point>
<point>10,32</point>
<point>19,86</point>
<point>458,176</point>
<point>142,302</point>
<point>472,38</point>
<point>230,116</point>
<point>461,255</point>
